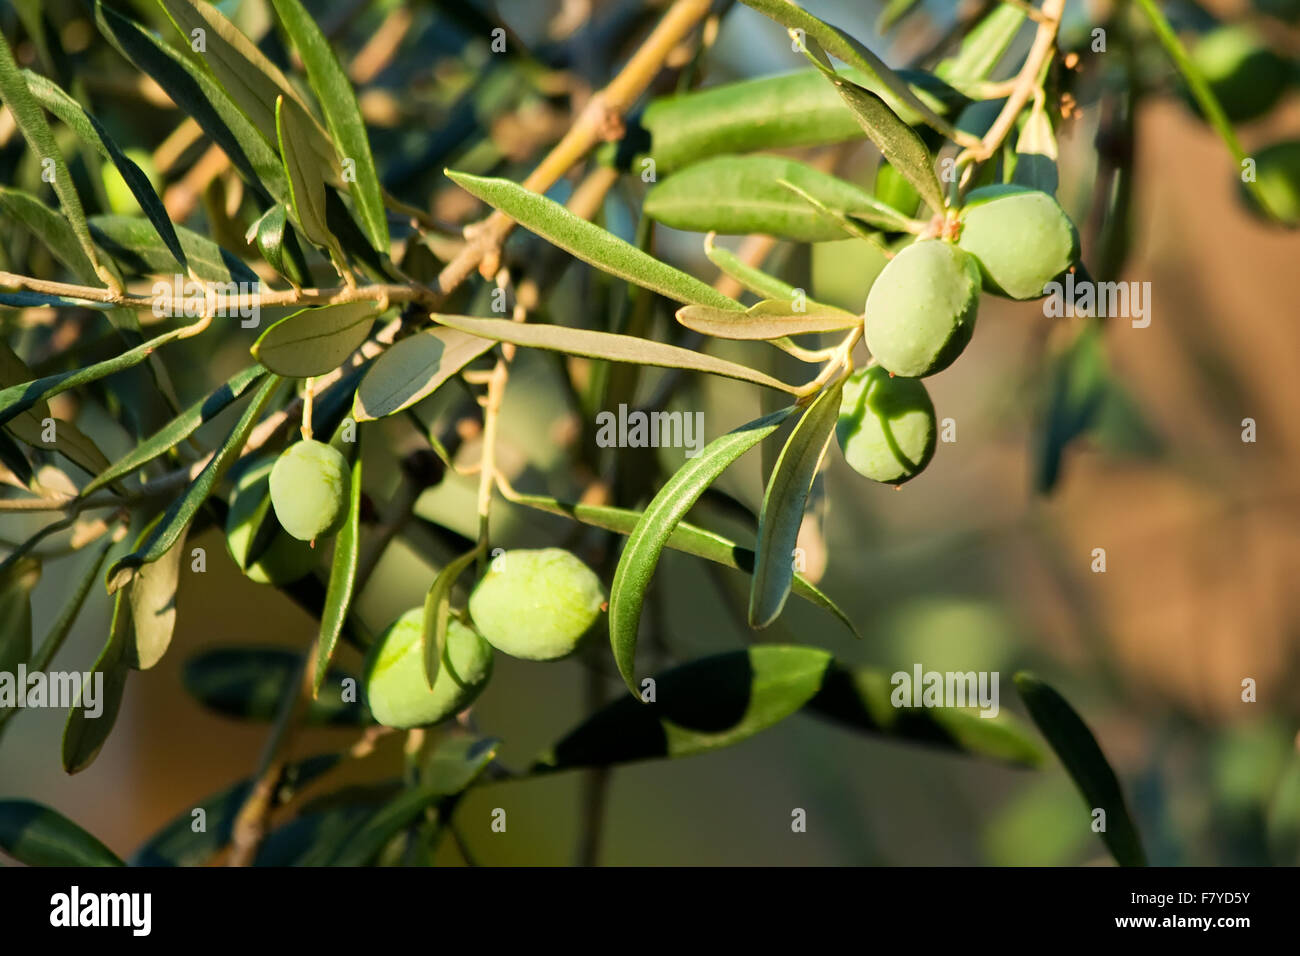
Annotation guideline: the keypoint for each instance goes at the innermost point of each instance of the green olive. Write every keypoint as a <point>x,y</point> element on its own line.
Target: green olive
<point>284,559</point>
<point>886,427</point>
<point>1245,76</point>
<point>1021,238</point>
<point>536,605</point>
<point>1277,172</point>
<point>395,687</point>
<point>921,310</point>
<point>309,489</point>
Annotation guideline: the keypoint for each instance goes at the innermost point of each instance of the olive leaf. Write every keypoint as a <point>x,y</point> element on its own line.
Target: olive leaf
<point>36,835</point>
<point>1077,383</point>
<point>315,340</point>
<point>201,98</point>
<point>342,115</point>
<point>589,242</point>
<point>851,226</point>
<point>983,46</point>
<point>1036,152</point>
<point>413,369</point>
<point>1083,759</point>
<point>152,596</point>
<point>739,195</point>
<point>304,174</point>
<point>250,683</point>
<point>784,502</point>
<point>607,346</point>
<point>17,399</point>
<point>343,579</point>
<point>181,511</point>
<point>685,537</point>
<point>99,697</point>
<point>860,698</point>
<point>134,244</point>
<point>58,102</point>
<point>49,227</point>
<point>755,280</point>
<point>31,123</point>
<point>279,246</point>
<point>462,761</point>
<point>640,556</point>
<point>437,612</point>
<point>699,706</point>
<point>62,626</point>
<point>766,320</point>
<point>769,112</point>
<point>251,79</point>
<point>178,843</point>
<point>844,47</point>
<point>178,429</point>
<point>901,145</point>
<point>17,580</point>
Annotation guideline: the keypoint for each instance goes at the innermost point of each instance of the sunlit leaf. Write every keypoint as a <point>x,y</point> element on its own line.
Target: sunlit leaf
<point>414,368</point>
<point>315,340</point>
<point>343,579</point>
<point>766,320</point>
<point>636,566</point>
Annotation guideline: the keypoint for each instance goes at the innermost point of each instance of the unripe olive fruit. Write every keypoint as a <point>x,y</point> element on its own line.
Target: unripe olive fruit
<point>536,604</point>
<point>1277,173</point>
<point>1021,238</point>
<point>309,489</point>
<point>886,425</point>
<point>395,686</point>
<point>1245,76</point>
<point>285,559</point>
<point>921,309</point>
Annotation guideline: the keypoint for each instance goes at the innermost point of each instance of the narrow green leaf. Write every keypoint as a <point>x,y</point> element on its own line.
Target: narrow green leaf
<point>605,345</point>
<point>844,47</point>
<point>36,835</point>
<point>589,242</point>
<point>182,510</point>
<point>135,245</point>
<point>1078,751</point>
<point>201,98</point>
<point>152,595</point>
<point>178,429</point>
<point>250,683</point>
<point>457,762</point>
<point>685,537</point>
<point>303,171</point>
<point>413,369</point>
<point>1076,386</point>
<point>739,195</point>
<point>1204,96</point>
<point>849,225</point>
<point>31,123</point>
<point>783,505</point>
<point>90,131</point>
<point>36,300</point>
<point>343,580</point>
<point>637,564</point>
<point>17,399</point>
<point>244,71</point>
<point>983,46</point>
<point>755,280</point>
<point>700,706</point>
<point>99,698</point>
<point>49,227</point>
<point>342,115</point>
<point>62,625</point>
<point>17,579</point>
<point>276,243</point>
<point>437,612</point>
<point>315,340</point>
<point>860,698</point>
<point>179,844</point>
<point>406,808</point>
<point>769,112</point>
<point>901,145</point>
<point>766,320</point>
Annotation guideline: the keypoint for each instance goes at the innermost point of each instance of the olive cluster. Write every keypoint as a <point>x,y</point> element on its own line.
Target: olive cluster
<point>920,314</point>
<point>531,604</point>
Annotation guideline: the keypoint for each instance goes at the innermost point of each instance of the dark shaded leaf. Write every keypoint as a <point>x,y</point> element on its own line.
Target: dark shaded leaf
<point>37,835</point>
